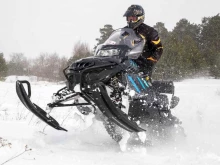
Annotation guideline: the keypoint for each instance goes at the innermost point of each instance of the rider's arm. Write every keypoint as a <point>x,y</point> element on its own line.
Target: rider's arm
<point>156,46</point>
<point>153,48</point>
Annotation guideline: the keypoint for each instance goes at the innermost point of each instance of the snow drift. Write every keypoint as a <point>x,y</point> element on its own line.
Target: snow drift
<point>87,141</point>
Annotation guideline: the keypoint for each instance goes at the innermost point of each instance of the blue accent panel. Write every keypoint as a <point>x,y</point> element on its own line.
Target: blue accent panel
<point>133,63</point>
<point>141,82</point>
<point>134,84</point>
<point>145,82</point>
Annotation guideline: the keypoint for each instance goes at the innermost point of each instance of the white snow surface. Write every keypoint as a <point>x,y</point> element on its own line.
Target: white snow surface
<point>87,142</point>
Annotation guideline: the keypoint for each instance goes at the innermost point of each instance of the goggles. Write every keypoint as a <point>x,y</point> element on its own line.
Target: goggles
<point>132,19</point>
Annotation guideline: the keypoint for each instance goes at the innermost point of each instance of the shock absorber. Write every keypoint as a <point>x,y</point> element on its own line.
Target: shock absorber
<point>116,95</point>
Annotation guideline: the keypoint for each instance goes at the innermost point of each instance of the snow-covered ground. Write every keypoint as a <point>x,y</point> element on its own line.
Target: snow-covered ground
<point>87,142</point>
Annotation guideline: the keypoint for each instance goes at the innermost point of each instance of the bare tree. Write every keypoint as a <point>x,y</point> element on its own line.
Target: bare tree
<point>49,67</point>
<point>39,64</point>
<point>18,64</point>
<point>80,50</point>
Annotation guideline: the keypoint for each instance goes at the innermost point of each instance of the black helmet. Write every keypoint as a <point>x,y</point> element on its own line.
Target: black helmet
<point>135,16</point>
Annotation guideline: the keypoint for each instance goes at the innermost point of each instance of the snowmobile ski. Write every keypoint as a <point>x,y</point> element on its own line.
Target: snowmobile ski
<point>109,110</point>
<point>25,99</point>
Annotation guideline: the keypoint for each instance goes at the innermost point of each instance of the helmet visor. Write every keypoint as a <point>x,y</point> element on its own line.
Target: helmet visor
<point>132,19</point>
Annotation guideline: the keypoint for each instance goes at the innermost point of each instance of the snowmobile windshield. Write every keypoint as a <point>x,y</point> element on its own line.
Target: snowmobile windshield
<point>122,40</point>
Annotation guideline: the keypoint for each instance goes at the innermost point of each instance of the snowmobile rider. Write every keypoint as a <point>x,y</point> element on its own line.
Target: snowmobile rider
<point>153,48</point>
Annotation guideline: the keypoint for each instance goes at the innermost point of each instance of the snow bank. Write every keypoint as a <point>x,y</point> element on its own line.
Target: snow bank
<point>33,79</point>
<point>83,144</point>
<point>13,79</point>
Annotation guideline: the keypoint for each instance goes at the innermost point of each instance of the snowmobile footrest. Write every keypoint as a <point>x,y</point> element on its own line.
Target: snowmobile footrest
<point>40,113</point>
<point>163,86</point>
<point>174,102</point>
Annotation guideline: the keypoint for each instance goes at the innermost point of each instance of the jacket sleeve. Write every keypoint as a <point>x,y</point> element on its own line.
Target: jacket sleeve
<point>156,47</point>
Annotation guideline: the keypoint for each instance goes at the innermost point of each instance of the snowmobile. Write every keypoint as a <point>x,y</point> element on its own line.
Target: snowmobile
<point>109,85</point>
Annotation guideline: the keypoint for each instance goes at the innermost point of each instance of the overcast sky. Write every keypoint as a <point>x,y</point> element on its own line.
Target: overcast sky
<point>35,26</point>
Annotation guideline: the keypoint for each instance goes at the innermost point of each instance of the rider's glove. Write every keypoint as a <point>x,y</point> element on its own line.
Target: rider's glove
<point>147,78</point>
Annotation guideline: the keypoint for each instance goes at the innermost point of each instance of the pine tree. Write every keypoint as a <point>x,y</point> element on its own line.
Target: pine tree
<point>182,57</point>
<point>184,27</point>
<point>162,31</point>
<point>105,33</point>
<point>210,43</point>
<point>3,66</point>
